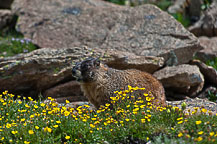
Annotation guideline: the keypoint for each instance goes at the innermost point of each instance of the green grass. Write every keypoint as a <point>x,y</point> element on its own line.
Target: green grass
<point>13,43</point>
<point>212,96</point>
<point>129,119</point>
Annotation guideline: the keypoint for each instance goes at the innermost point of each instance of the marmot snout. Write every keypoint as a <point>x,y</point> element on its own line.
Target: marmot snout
<point>98,82</point>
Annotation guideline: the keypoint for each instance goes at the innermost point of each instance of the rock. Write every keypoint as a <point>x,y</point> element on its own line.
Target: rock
<point>124,60</point>
<point>144,30</point>
<point>6,17</point>
<point>209,73</point>
<point>48,71</point>
<point>37,71</point>
<point>207,25</point>
<point>210,49</point>
<point>209,90</point>
<point>196,103</point>
<point>80,103</point>
<point>5,4</point>
<point>183,79</point>
<point>68,90</point>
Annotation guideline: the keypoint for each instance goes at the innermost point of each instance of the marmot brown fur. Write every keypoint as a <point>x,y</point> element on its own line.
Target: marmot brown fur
<point>98,82</point>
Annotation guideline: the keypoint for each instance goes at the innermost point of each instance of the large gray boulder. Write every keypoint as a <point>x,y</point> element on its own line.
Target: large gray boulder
<point>143,30</point>
<point>183,79</point>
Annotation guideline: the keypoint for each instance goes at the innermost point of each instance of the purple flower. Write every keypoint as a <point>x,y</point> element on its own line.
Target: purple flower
<point>25,51</point>
<point>22,40</point>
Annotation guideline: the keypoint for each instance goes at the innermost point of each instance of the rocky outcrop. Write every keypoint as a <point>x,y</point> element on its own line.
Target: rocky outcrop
<point>143,30</point>
<point>184,79</point>
<point>48,71</point>
<point>207,25</point>
<point>210,49</point>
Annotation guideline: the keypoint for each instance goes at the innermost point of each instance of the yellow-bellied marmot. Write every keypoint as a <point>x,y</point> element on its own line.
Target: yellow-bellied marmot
<point>98,82</point>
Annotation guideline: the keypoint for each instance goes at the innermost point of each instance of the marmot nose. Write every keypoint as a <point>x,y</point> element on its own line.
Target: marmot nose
<point>73,71</point>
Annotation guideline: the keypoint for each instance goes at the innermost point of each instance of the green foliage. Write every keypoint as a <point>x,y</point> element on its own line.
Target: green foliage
<point>127,119</point>
<point>184,20</point>
<point>206,4</point>
<point>120,2</point>
<point>213,63</point>
<point>163,4</point>
<point>212,96</point>
<point>12,43</point>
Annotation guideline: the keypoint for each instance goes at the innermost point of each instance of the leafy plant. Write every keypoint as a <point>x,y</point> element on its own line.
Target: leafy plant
<point>206,4</point>
<point>212,96</point>
<point>12,43</point>
<point>120,2</point>
<point>126,119</point>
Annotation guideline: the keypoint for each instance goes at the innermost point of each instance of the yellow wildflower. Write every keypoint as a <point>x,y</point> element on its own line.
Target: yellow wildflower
<point>181,118</point>
<point>35,106</point>
<point>23,119</point>
<point>180,134</point>
<point>58,122</point>
<point>199,139</point>
<point>66,113</point>
<point>211,133</point>
<point>143,120</point>
<point>204,110</point>
<point>31,132</point>
<point>180,122</point>
<point>47,129</point>
<point>26,142</point>
<point>127,120</point>
<point>200,132</point>
<point>93,119</point>
<point>91,125</point>
<point>42,104</point>
<point>27,106</point>
<point>14,132</point>
<point>198,122</point>
<point>67,101</point>
<point>67,137</point>
<point>55,126</point>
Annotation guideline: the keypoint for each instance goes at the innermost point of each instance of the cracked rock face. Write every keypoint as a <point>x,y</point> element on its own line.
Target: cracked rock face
<point>143,30</point>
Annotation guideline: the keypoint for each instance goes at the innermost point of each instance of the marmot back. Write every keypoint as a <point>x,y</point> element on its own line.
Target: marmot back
<point>98,82</point>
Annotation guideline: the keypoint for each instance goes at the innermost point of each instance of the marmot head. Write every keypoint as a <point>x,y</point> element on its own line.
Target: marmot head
<point>85,71</point>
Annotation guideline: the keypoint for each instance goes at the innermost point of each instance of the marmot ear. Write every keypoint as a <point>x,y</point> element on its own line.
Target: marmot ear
<point>97,62</point>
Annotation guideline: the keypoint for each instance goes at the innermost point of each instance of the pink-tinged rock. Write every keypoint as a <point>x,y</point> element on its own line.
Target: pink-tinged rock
<point>210,49</point>
<point>144,30</point>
